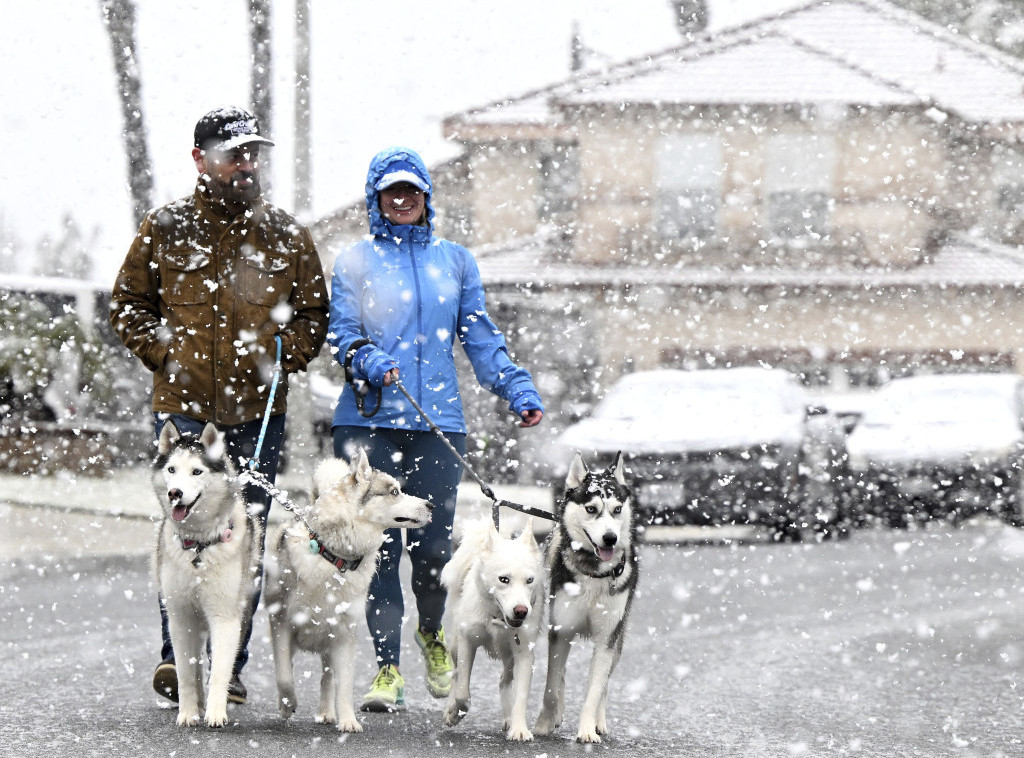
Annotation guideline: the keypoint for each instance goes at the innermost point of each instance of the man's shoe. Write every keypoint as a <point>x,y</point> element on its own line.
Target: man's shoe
<point>438,661</point>
<point>236,691</point>
<point>165,680</point>
<point>387,693</point>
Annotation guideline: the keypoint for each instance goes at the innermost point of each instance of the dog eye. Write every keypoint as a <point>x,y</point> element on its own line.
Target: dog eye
<point>618,510</point>
<point>197,472</point>
<point>591,509</point>
<point>503,579</point>
<point>394,492</point>
<point>530,580</point>
<point>170,469</point>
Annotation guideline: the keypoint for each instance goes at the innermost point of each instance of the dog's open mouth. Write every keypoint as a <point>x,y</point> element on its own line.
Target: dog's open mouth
<point>180,511</point>
<point>604,553</point>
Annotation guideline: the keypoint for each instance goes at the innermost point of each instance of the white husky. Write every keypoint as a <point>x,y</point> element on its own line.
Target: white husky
<point>318,572</point>
<point>593,565</point>
<point>495,601</point>
<point>206,564</point>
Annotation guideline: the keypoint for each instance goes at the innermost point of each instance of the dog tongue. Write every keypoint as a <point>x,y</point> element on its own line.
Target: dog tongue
<point>605,553</point>
<point>179,513</point>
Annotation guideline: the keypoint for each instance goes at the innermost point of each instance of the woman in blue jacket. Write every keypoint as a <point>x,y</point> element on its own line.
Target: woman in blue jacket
<point>399,301</point>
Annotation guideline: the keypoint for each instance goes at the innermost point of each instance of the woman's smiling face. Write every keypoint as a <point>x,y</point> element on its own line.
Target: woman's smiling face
<point>402,203</point>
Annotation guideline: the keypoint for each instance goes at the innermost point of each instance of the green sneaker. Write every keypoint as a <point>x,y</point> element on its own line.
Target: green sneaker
<point>387,693</point>
<point>438,661</point>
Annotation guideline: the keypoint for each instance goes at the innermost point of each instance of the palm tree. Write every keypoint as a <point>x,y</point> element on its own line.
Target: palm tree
<point>119,19</point>
<point>261,91</point>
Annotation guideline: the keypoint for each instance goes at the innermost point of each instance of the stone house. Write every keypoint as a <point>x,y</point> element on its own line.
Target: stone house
<point>837,190</point>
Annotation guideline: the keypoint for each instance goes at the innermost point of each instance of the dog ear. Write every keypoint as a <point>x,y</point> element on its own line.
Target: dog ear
<point>167,437</point>
<point>212,441</point>
<point>492,533</point>
<point>577,472</point>
<point>362,470</point>
<point>527,534</point>
<point>617,469</point>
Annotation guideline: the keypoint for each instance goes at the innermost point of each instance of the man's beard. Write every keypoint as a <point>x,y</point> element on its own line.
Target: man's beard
<point>236,193</point>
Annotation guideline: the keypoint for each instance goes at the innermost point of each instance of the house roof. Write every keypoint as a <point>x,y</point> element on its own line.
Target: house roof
<point>964,263</point>
<point>855,52</point>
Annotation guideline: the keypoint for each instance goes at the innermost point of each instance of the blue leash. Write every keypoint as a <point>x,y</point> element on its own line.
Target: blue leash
<point>254,462</point>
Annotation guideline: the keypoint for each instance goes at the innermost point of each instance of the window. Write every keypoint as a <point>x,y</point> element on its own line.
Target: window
<point>1008,178</point>
<point>559,181</point>
<point>799,172</point>
<point>688,181</point>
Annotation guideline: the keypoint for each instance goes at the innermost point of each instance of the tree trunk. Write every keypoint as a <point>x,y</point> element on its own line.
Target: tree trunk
<point>261,91</point>
<point>119,19</point>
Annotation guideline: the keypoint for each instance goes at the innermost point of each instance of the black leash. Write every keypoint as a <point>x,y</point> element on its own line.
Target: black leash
<point>496,504</point>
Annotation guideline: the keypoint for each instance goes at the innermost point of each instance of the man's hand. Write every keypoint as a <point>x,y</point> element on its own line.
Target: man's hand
<point>390,377</point>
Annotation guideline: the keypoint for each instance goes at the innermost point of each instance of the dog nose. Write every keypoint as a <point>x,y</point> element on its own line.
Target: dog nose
<point>174,494</point>
<point>609,539</point>
<point>520,612</point>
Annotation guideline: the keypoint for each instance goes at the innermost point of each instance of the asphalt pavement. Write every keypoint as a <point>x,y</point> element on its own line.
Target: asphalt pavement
<point>889,644</point>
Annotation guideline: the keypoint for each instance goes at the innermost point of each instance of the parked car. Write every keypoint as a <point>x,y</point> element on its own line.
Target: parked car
<point>715,447</point>
<point>945,446</point>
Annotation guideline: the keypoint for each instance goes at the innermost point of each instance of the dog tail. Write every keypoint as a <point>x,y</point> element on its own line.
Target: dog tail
<point>329,474</point>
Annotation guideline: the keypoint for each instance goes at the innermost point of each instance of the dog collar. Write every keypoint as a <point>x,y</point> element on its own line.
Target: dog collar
<point>342,564</point>
<point>199,547</point>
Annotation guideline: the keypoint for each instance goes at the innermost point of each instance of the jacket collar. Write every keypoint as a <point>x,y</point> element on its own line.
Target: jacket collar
<point>212,207</point>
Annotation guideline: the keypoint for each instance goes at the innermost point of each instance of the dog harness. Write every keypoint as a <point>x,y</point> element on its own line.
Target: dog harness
<point>342,564</point>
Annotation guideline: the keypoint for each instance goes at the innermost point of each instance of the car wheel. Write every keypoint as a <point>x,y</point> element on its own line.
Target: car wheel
<point>1012,511</point>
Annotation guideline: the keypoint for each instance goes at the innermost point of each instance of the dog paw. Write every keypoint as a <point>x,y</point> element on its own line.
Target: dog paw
<point>519,734</point>
<point>455,711</point>
<point>350,725</point>
<point>545,726</point>
<point>324,718</point>
<point>187,718</point>
<point>286,707</point>
<point>588,736</point>
<point>216,717</point>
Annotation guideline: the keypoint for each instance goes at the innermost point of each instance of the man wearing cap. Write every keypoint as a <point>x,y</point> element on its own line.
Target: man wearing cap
<point>208,284</point>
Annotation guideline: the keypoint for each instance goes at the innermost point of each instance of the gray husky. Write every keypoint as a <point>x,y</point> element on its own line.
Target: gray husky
<point>206,564</point>
<point>318,574</point>
<point>593,569</point>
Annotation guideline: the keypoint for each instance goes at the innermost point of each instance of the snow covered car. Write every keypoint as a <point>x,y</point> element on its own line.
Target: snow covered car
<point>715,447</point>
<point>946,446</point>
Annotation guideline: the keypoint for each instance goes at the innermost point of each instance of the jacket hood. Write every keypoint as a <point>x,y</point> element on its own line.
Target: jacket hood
<point>411,162</point>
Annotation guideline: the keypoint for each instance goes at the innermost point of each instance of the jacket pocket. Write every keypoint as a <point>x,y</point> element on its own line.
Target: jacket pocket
<point>184,275</point>
<point>266,277</point>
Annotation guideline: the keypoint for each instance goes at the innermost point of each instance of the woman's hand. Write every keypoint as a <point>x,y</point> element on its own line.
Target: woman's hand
<point>531,417</point>
<point>390,377</point>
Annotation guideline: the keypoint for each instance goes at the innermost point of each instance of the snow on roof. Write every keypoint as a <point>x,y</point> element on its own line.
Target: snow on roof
<point>965,262</point>
<point>858,52</point>
<point>762,69</point>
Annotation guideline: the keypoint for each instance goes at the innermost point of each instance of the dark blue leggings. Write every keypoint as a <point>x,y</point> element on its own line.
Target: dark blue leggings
<point>240,440</point>
<point>426,468</point>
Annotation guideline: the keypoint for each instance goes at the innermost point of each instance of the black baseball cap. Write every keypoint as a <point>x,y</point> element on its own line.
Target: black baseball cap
<point>228,128</point>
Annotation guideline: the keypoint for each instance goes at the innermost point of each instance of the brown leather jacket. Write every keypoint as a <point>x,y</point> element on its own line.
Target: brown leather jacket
<point>200,297</point>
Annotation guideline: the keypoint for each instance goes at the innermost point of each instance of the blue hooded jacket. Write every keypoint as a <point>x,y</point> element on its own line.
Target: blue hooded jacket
<point>412,294</point>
